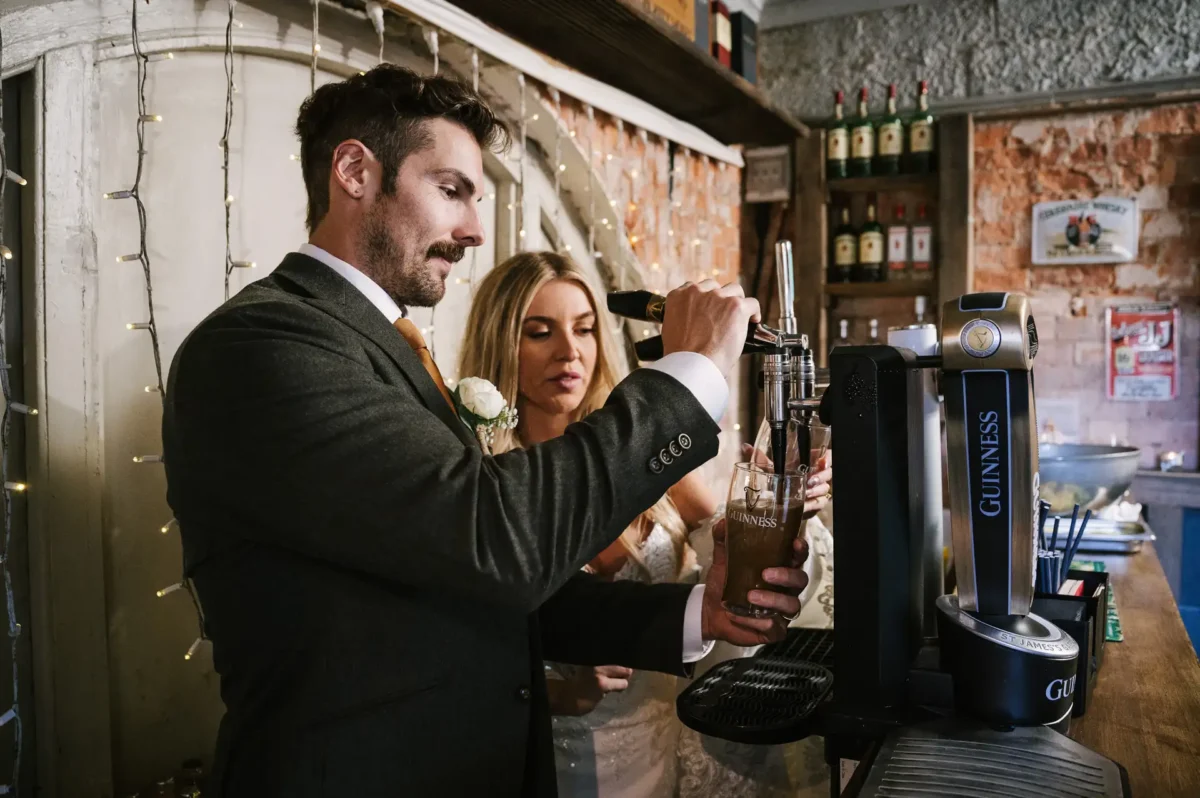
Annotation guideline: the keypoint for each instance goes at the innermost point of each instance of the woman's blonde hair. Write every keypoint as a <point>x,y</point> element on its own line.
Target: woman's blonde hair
<point>491,348</point>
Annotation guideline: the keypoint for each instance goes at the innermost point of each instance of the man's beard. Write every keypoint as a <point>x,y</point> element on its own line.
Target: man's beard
<point>410,282</point>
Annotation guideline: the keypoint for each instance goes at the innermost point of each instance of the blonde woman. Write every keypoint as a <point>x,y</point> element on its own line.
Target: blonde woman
<point>535,331</point>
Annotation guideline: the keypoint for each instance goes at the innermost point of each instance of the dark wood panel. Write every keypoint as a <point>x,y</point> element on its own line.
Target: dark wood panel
<point>617,42</point>
<point>955,240</point>
<point>883,183</point>
<point>810,242</point>
<point>1145,709</point>
<point>892,288</point>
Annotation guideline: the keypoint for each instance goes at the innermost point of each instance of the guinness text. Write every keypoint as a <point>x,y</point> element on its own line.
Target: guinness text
<point>989,463</point>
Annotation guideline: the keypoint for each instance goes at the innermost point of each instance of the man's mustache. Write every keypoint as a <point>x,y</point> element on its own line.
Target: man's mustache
<point>451,253</point>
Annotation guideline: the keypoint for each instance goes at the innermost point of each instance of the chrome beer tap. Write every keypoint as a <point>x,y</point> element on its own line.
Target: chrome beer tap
<point>789,375</point>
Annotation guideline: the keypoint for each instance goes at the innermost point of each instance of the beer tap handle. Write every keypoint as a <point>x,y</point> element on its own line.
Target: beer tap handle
<point>786,278</point>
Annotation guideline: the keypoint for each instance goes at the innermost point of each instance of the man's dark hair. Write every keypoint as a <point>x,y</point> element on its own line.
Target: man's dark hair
<point>386,109</point>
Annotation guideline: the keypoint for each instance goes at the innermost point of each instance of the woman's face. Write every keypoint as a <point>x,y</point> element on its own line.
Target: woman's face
<point>557,355</point>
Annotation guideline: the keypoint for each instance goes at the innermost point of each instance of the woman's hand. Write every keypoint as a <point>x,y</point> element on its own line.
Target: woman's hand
<point>820,486</point>
<point>819,489</point>
<point>580,694</point>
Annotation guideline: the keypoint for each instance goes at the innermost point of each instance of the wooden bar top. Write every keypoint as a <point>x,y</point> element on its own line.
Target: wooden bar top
<point>1145,707</point>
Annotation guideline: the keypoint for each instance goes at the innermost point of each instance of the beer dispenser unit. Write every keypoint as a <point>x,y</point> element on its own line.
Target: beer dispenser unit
<point>932,693</point>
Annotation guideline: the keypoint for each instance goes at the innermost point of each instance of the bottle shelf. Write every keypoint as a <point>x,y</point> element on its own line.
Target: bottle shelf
<point>893,288</point>
<point>862,185</point>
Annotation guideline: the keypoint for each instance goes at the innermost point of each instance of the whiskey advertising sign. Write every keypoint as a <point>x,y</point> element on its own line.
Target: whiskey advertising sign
<point>1101,230</point>
<point>1142,352</point>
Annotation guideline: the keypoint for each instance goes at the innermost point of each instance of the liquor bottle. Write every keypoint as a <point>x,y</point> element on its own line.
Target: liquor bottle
<point>919,305</point>
<point>721,28</point>
<point>889,138</point>
<point>922,246</point>
<point>920,134</point>
<point>870,250</point>
<point>843,338</point>
<point>897,246</point>
<point>845,250</point>
<point>874,332</point>
<point>862,139</point>
<point>837,141</point>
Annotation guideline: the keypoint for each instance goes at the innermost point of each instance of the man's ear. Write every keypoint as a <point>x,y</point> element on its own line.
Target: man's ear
<point>355,169</point>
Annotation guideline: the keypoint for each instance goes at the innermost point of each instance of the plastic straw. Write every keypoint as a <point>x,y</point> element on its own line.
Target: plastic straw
<point>1054,537</point>
<point>1070,555</point>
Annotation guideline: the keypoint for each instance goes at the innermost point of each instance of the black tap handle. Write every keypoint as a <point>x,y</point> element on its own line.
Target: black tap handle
<point>638,305</point>
<point>649,348</point>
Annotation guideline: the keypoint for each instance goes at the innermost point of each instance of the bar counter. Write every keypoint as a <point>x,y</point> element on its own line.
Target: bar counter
<point>1145,709</point>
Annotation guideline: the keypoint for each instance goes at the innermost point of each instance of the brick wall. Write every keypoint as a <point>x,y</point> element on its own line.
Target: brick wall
<point>1151,154</point>
<point>681,210</point>
<point>682,214</point>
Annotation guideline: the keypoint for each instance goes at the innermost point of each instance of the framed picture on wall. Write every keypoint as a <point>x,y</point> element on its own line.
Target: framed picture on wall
<point>1101,230</point>
<point>1142,352</point>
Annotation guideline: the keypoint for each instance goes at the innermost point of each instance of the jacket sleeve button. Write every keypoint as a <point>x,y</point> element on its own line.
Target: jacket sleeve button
<point>656,466</point>
<point>524,693</point>
<point>685,440</point>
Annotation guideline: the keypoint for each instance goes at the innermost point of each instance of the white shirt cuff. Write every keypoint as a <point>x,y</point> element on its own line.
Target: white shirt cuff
<point>700,376</point>
<point>695,648</point>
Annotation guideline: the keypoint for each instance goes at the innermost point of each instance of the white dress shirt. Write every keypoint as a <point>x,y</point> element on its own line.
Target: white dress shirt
<point>697,373</point>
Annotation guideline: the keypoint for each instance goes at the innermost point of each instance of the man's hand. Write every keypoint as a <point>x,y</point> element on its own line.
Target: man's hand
<point>580,694</point>
<point>709,319</point>
<point>716,623</point>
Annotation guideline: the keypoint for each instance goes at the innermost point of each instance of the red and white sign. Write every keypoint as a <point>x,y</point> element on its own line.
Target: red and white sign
<point>1142,352</point>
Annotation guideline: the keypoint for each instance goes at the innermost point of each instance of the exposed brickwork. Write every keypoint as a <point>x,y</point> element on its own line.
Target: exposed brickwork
<point>1151,154</point>
<point>682,226</point>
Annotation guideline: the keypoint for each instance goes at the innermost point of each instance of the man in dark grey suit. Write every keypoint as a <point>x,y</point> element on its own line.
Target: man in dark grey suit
<point>380,594</point>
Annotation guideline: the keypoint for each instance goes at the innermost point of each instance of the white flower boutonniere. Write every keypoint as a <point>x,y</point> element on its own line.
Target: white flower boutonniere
<point>483,409</point>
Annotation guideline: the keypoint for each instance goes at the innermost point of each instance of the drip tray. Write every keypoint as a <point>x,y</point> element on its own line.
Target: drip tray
<point>766,699</point>
<point>953,758</point>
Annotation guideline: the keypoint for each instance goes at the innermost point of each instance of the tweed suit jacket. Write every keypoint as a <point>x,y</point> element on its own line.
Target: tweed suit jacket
<point>379,593</point>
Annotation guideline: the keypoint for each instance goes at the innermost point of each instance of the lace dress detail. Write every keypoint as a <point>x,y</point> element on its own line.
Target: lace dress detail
<point>633,744</point>
<point>626,746</point>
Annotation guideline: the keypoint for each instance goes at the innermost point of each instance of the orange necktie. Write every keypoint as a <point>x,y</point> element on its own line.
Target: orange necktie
<point>417,342</point>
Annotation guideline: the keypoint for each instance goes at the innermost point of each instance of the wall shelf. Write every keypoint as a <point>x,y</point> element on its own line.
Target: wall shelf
<point>884,183</point>
<point>926,287</point>
<point>615,41</point>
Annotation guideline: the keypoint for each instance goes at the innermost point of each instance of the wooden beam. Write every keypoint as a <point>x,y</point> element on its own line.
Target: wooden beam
<point>617,42</point>
<point>955,235</point>
<point>809,242</point>
<point>66,528</point>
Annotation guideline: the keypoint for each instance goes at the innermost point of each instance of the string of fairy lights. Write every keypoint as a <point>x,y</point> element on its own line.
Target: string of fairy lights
<point>230,90</point>
<point>562,135</point>
<point>142,256</point>
<point>11,488</point>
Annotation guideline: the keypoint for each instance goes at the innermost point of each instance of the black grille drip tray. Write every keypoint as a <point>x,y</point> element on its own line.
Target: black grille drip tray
<point>766,699</point>
<point>954,757</point>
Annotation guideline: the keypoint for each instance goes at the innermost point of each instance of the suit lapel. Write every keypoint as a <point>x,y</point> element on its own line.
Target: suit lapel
<point>329,291</point>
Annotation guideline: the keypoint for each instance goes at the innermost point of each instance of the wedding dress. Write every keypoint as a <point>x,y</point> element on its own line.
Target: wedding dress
<point>632,745</point>
<point>626,746</point>
<point>710,766</point>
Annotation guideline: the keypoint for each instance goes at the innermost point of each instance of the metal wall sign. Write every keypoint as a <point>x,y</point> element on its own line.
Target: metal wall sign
<point>1101,230</point>
<point>768,174</point>
<point>1142,352</point>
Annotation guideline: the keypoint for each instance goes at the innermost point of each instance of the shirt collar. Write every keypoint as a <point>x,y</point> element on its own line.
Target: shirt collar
<point>366,286</point>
